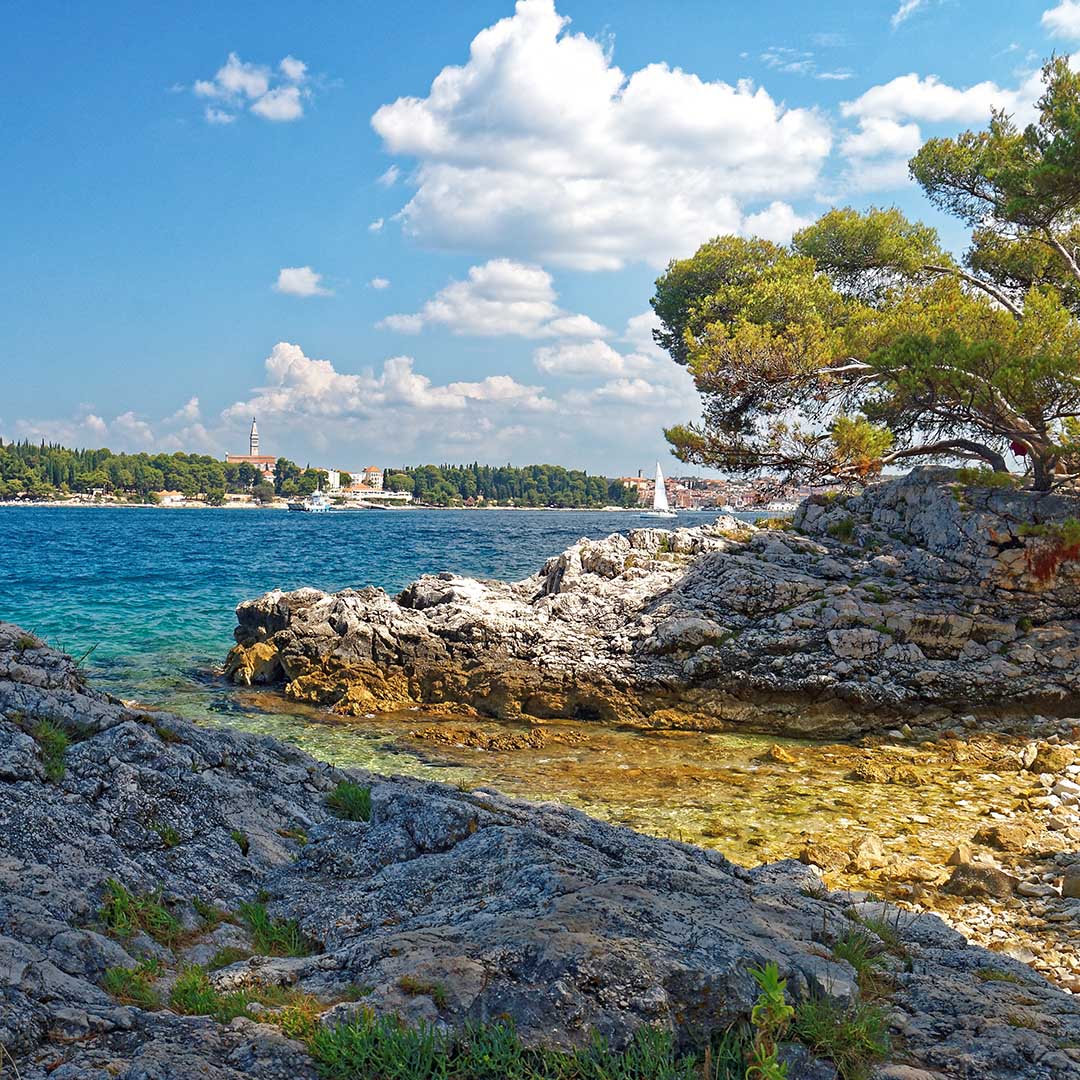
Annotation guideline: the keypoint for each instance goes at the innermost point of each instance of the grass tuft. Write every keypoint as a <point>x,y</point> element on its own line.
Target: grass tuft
<point>350,801</point>
<point>854,1038</point>
<point>997,975</point>
<point>125,913</point>
<point>169,836</point>
<point>414,987</point>
<point>240,838</point>
<point>53,741</point>
<point>274,937</point>
<point>134,986</point>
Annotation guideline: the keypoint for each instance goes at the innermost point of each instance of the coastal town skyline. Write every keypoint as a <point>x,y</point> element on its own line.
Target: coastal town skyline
<point>302,222</point>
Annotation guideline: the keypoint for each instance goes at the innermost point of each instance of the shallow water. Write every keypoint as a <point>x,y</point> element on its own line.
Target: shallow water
<point>152,593</point>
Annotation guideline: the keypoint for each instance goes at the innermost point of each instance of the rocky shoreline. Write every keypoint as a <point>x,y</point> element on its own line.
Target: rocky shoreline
<point>443,906</point>
<point>920,600</point>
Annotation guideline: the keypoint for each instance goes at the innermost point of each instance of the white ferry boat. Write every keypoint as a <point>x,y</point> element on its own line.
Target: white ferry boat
<point>316,503</point>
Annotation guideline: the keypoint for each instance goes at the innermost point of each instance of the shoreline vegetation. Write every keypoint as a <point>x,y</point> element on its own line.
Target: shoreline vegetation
<point>196,504</point>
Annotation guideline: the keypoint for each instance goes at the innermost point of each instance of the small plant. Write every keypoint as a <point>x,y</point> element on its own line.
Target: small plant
<point>350,801</point>
<point>193,994</point>
<point>24,642</point>
<point>779,524</point>
<point>770,1018</point>
<point>997,975</point>
<point>986,478</point>
<point>53,741</point>
<point>125,913</point>
<point>843,529</point>
<point>210,915</point>
<point>274,937</point>
<point>169,836</point>
<point>852,1037</point>
<point>134,986</point>
<point>1024,624</point>
<point>240,838</point>
<point>294,834</point>
<point>1058,542</point>
<point>409,984</point>
<point>888,931</point>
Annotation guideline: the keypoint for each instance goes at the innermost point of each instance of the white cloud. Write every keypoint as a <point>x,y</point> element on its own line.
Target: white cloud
<point>238,85</point>
<point>776,222</point>
<point>501,297</point>
<point>282,104</point>
<point>904,12</point>
<point>580,358</point>
<point>186,413</point>
<point>235,78</point>
<point>379,283</point>
<point>302,387</point>
<point>300,281</point>
<point>390,177</point>
<point>1063,21</point>
<point>294,70</point>
<point>540,147</point>
<point>376,225</point>
<point>878,135</point>
<point>914,97</point>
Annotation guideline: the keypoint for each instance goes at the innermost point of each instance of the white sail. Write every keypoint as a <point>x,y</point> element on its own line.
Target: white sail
<point>659,499</point>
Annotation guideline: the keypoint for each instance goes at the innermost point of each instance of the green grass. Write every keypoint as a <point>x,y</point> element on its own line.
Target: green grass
<point>240,838</point>
<point>888,932</point>
<point>854,1038</point>
<point>193,994</point>
<point>350,801</point>
<point>53,741</point>
<point>986,477</point>
<point>274,937</point>
<point>134,986</point>
<point>125,913</point>
<point>294,834</point>
<point>374,1046</point>
<point>169,836</point>
<point>859,950</point>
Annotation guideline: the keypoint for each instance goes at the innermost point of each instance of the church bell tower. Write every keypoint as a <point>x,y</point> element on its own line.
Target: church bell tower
<point>253,439</point>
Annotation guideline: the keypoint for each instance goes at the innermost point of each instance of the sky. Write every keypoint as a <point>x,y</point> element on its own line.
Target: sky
<point>401,234</point>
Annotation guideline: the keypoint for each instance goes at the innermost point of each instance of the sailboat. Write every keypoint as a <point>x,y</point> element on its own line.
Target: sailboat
<point>660,506</point>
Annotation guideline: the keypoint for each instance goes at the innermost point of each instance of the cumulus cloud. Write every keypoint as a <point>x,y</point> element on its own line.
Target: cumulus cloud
<point>915,97</point>
<point>299,386</point>
<point>300,281</point>
<point>376,225</point>
<point>379,283</point>
<point>540,147</point>
<point>499,298</point>
<point>276,95</point>
<point>1063,21</point>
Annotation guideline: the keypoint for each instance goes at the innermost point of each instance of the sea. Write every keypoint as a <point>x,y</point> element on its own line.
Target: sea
<point>145,598</point>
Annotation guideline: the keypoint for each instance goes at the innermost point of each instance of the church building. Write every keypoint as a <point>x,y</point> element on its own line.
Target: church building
<point>263,462</point>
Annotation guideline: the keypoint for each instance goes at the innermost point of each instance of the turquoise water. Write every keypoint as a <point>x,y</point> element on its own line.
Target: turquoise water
<point>152,592</point>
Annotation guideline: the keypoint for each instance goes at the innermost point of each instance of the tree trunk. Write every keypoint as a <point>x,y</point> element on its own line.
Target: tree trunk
<point>1044,465</point>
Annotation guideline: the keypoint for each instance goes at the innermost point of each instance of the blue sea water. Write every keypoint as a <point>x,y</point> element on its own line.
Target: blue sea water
<point>152,592</point>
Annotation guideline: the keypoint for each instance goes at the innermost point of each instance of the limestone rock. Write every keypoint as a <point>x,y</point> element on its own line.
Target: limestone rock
<point>933,605</point>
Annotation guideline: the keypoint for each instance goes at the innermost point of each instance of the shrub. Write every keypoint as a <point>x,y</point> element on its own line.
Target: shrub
<point>350,801</point>
<point>125,913</point>
<point>843,529</point>
<point>986,478</point>
<point>274,937</point>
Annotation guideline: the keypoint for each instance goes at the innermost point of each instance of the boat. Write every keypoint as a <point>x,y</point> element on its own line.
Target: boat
<point>660,506</point>
<point>316,503</point>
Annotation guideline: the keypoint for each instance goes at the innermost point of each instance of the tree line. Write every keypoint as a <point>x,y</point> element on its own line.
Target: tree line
<point>48,470</point>
<point>528,485</point>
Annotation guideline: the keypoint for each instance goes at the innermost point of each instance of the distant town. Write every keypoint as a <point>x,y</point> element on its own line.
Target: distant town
<point>36,473</point>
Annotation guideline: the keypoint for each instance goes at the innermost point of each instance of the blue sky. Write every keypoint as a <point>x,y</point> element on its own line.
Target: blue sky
<point>398,244</point>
